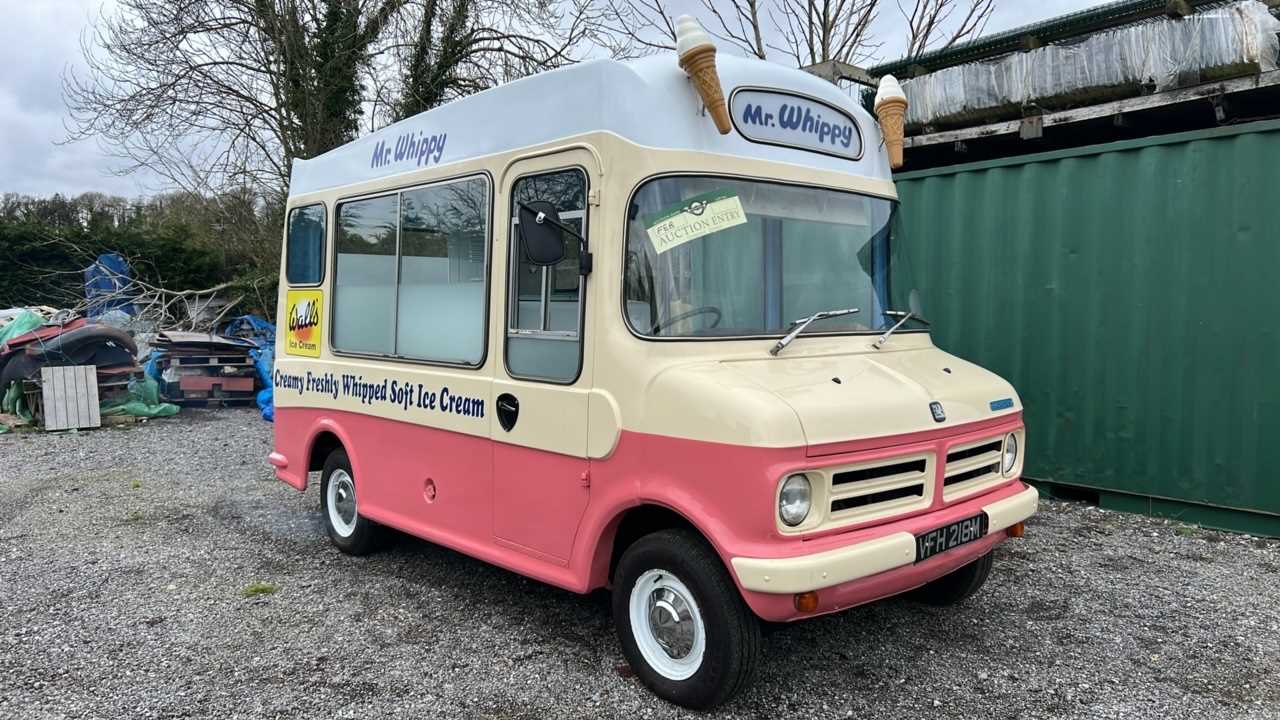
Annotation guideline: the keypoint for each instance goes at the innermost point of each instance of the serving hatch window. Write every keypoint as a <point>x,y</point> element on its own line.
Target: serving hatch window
<point>411,271</point>
<point>720,257</point>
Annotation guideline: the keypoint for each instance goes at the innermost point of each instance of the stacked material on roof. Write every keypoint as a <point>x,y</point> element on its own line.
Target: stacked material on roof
<point>1231,40</point>
<point>204,370</point>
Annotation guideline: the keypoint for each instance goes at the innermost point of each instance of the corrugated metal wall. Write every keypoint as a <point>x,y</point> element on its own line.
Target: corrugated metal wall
<point>1131,292</point>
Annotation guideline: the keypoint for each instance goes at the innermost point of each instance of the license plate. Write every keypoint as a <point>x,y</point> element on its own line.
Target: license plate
<point>950,536</point>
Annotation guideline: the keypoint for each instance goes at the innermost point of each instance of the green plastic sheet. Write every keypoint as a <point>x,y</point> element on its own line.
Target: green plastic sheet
<point>23,323</point>
<point>13,402</point>
<point>143,401</point>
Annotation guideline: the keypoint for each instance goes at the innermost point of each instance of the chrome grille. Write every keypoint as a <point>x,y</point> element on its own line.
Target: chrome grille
<point>880,488</point>
<point>972,467</point>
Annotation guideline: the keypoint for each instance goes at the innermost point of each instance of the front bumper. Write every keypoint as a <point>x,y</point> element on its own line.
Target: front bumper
<point>878,567</point>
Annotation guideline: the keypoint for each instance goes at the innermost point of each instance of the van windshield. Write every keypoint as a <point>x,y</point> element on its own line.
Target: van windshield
<point>721,257</point>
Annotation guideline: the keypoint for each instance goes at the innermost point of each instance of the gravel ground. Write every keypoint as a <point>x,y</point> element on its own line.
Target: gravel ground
<point>127,556</point>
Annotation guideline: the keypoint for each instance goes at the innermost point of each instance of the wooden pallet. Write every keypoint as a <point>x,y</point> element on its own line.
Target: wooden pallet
<point>222,402</point>
<point>69,397</point>
<point>207,360</point>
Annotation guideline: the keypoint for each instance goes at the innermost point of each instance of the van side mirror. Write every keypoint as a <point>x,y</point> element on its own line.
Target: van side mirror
<point>543,235</point>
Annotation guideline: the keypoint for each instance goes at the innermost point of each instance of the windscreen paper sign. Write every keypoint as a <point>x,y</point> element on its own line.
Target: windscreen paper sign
<point>776,118</point>
<point>694,218</point>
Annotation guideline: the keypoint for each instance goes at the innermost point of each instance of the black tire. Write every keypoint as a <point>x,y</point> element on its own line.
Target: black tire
<point>732,632</point>
<point>366,536</point>
<point>956,586</point>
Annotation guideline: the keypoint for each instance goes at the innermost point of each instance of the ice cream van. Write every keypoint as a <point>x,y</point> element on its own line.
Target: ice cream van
<point>647,326</point>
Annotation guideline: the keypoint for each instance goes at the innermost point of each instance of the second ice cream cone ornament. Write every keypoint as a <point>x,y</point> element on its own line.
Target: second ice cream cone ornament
<point>891,109</point>
<point>698,59</point>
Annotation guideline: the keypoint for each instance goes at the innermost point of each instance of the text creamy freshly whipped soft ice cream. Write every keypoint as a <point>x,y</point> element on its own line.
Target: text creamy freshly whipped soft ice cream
<point>891,109</point>
<point>698,58</point>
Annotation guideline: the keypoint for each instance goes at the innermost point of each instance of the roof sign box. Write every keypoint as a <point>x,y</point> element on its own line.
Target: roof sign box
<point>649,102</point>
<point>795,121</point>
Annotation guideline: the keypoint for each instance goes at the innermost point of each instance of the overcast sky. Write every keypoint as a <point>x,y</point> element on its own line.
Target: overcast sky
<point>39,39</point>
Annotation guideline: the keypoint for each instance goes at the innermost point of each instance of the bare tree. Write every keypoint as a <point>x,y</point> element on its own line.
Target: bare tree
<point>445,49</point>
<point>805,32</point>
<point>815,31</point>
<point>630,28</point>
<point>209,94</point>
<point>218,94</point>
<point>935,25</point>
<point>738,22</point>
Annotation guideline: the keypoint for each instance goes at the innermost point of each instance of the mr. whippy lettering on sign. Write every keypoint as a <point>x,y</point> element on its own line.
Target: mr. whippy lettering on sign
<point>792,121</point>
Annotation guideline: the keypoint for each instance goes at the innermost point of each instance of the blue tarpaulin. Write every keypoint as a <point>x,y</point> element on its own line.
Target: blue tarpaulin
<point>263,360</point>
<point>104,282</point>
<point>253,328</point>
<point>263,334</point>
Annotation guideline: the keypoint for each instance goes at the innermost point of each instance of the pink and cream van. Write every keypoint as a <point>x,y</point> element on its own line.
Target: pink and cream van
<point>570,327</point>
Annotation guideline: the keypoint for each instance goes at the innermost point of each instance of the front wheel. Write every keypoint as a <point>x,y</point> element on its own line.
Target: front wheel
<point>956,586</point>
<point>683,626</point>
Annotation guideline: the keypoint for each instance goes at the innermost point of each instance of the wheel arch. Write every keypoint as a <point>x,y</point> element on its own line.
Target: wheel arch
<point>629,524</point>
<point>325,436</point>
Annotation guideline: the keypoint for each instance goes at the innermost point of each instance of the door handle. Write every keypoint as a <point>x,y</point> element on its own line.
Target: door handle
<point>508,411</point>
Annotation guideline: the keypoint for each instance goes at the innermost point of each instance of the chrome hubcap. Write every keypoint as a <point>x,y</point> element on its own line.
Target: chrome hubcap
<point>667,624</point>
<point>345,501</point>
<point>671,622</point>
<point>341,496</point>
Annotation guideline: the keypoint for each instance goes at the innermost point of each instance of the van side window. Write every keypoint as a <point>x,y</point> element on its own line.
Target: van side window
<point>411,273</point>
<point>364,283</point>
<point>304,249</point>
<point>544,340</point>
<point>443,240</point>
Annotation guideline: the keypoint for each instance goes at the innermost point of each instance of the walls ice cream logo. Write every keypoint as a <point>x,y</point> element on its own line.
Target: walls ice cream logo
<point>303,316</point>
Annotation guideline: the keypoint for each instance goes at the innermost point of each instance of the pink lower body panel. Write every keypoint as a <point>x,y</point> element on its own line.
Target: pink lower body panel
<point>442,486</point>
<point>781,608</point>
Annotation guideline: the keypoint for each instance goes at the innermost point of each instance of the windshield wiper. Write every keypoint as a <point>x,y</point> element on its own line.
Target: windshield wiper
<point>803,323</point>
<point>905,316</point>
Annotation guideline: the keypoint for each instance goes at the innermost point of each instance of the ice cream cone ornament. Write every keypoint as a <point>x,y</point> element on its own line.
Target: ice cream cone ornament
<point>698,59</point>
<point>891,109</point>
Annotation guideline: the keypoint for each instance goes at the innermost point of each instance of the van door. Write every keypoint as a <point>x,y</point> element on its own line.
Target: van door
<point>539,423</point>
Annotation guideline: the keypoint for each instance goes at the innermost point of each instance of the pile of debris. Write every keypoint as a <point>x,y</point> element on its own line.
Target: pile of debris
<point>204,370</point>
<point>63,372</point>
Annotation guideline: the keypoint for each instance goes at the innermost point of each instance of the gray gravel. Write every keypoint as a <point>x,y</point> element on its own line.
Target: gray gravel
<point>125,555</point>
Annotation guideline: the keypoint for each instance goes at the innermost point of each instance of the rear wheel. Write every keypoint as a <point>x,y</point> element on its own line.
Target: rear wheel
<point>958,585</point>
<point>683,626</point>
<point>350,532</point>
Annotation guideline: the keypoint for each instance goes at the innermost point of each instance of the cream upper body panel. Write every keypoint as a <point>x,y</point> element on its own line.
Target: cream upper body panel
<point>734,392</point>
<point>728,391</point>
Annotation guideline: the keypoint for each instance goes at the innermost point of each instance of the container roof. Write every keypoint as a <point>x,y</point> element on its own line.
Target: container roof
<point>650,102</point>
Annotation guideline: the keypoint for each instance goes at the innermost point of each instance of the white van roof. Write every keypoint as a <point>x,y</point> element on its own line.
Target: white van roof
<point>649,101</point>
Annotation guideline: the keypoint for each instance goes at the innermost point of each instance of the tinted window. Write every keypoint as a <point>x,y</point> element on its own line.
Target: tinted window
<point>304,250</point>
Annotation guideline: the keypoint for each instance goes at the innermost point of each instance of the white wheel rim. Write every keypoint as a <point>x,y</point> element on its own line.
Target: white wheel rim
<point>341,501</point>
<point>667,625</point>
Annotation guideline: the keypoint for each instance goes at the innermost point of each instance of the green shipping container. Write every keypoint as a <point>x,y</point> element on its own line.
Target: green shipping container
<point>1131,292</point>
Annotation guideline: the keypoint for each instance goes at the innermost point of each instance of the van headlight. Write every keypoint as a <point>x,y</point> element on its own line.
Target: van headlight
<point>794,500</point>
<point>1010,458</point>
